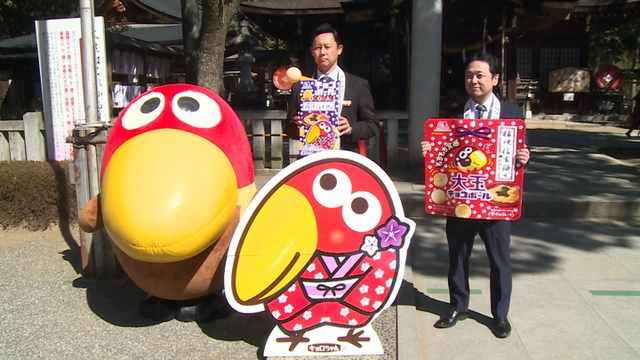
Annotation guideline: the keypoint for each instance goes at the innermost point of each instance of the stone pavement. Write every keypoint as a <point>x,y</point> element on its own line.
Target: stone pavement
<point>575,254</point>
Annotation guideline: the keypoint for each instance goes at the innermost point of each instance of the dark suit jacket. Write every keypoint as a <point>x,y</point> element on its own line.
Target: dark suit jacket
<point>361,114</point>
<point>510,111</point>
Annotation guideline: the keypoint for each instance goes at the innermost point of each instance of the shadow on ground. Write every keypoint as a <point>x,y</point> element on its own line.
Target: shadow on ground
<point>116,302</point>
<point>533,248</point>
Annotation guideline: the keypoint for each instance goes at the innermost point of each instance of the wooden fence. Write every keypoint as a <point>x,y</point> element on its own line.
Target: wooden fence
<point>272,150</point>
<point>24,139</point>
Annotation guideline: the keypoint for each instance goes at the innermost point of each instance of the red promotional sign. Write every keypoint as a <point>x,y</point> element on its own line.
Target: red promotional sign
<point>471,171</point>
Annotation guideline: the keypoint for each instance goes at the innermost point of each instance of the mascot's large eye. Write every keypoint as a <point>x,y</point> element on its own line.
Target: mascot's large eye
<point>331,188</point>
<point>196,109</point>
<point>362,211</point>
<point>143,111</point>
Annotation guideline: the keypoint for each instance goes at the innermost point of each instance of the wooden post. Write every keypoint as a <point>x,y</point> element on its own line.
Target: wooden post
<point>16,146</point>
<point>82,197</point>
<point>258,143</point>
<point>5,155</point>
<point>294,150</point>
<point>33,136</point>
<point>276,144</point>
<point>98,259</point>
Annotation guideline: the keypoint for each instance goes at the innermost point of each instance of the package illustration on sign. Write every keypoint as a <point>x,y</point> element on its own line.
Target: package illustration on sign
<point>471,171</point>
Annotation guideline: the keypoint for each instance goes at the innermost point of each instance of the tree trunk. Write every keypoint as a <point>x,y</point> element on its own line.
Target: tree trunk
<point>216,17</point>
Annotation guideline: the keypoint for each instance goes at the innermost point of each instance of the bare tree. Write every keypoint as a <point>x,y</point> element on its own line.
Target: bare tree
<point>216,18</point>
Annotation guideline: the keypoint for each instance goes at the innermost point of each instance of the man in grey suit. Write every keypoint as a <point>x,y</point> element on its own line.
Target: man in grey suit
<point>481,75</point>
<point>357,119</point>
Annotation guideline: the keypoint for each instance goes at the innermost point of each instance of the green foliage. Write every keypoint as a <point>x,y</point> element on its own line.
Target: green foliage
<point>615,46</point>
<point>18,16</point>
<point>619,47</point>
<point>268,42</point>
<point>36,195</point>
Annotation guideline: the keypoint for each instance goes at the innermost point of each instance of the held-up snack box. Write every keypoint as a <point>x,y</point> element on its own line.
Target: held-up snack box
<point>319,116</point>
<point>471,171</point>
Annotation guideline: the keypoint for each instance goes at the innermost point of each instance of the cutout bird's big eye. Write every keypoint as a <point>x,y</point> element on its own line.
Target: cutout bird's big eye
<point>143,111</point>
<point>359,206</point>
<point>331,188</point>
<point>328,182</point>
<point>196,109</point>
<point>362,211</point>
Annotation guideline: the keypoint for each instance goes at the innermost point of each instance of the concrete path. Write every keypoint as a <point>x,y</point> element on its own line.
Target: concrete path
<point>576,283</point>
<point>576,293</point>
<point>575,254</point>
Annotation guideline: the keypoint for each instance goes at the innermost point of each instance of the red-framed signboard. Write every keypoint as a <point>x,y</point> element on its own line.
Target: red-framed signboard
<point>471,171</point>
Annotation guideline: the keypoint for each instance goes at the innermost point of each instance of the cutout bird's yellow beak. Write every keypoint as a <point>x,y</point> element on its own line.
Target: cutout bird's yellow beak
<point>278,246</point>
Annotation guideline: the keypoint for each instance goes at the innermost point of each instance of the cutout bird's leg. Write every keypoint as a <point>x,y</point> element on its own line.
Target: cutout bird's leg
<point>294,339</point>
<point>354,338</point>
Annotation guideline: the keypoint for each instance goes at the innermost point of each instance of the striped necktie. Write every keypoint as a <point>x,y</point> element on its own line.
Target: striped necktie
<point>480,109</point>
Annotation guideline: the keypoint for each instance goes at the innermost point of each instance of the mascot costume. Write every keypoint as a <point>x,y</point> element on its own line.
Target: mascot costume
<point>177,174</point>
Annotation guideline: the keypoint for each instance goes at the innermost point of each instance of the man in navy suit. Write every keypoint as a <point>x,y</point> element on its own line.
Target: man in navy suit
<point>481,75</point>
<point>357,119</point>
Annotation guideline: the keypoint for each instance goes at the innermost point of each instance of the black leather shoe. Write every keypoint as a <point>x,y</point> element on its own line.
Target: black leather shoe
<point>157,309</point>
<point>501,327</point>
<point>451,319</point>
<point>204,309</point>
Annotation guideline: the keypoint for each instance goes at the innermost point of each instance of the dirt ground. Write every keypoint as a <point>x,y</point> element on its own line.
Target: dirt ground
<point>18,237</point>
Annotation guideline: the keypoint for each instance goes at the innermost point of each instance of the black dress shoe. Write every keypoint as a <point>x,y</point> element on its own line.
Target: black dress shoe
<point>204,309</point>
<point>157,309</point>
<point>451,319</point>
<point>501,327</point>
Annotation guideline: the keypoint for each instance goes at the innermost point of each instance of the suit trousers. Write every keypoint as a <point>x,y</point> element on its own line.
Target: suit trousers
<point>496,236</point>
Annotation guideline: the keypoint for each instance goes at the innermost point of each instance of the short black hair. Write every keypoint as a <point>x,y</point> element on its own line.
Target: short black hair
<point>323,29</point>
<point>494,64</point>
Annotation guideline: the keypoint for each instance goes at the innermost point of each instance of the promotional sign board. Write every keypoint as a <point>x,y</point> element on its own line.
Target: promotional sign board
<point>60,59</point>
<point>329,272</point>
<point>319,110</point>
<point>471,171</point>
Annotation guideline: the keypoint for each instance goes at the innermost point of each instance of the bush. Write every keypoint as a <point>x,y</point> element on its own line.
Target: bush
<point>36,195</point>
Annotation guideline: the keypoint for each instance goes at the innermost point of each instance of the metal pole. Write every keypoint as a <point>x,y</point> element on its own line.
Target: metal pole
<point>92,244</point>
<point>89,63</point>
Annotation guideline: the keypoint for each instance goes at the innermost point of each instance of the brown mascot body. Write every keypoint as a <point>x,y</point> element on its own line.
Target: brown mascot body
<point>177,175</point>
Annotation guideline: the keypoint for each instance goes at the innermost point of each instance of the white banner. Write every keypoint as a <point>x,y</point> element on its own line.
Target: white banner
<point>60,58</point>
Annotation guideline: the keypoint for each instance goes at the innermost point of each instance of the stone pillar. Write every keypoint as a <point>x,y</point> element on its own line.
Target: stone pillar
<point>424,96</point>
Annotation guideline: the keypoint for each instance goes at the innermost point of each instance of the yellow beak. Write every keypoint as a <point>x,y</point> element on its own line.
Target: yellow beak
<point>167,195</point>
<point>278,243</point>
